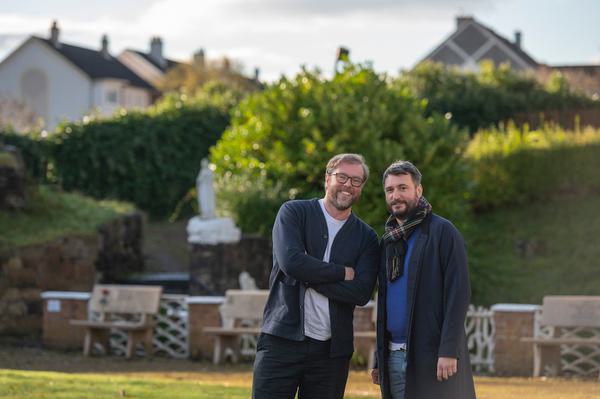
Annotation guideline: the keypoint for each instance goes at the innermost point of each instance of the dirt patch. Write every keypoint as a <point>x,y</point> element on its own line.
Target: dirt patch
<point>40,359</point>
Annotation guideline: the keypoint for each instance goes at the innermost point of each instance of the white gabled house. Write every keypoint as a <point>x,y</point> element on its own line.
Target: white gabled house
<point>60,81</point>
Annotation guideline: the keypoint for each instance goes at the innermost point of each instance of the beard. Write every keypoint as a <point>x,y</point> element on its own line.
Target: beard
<point>340,201</point>
<point>409,206</point>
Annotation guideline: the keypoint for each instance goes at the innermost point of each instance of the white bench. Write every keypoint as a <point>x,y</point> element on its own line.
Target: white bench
<point>241,315</point>
<point>129,308</point>
<point>560,314</point>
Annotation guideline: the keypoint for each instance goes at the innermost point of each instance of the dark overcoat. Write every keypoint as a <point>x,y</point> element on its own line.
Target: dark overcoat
<point>438,299</point>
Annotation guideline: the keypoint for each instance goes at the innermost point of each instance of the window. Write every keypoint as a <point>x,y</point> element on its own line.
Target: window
<point>112,97</point>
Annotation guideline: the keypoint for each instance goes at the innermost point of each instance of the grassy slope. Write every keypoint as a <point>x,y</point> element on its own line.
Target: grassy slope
<point>35,384</point>
<point>519,255</point>
<point>51,214</point>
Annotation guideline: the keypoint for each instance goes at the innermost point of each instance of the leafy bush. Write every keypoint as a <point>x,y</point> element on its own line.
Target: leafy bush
<point>495,94</point>
<point>281,139</point>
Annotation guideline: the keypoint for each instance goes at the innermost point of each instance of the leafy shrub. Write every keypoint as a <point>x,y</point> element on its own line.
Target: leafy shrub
<point>283,137</point>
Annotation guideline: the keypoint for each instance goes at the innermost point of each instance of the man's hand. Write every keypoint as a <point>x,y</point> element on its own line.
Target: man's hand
<point>349,274</point>
<point>375,376</point>
<point>446,368</point>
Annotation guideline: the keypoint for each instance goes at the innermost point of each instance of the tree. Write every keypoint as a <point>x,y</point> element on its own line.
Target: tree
<point>190,77</point>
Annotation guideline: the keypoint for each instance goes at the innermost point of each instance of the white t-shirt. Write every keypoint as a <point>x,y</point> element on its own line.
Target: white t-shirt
<point>317,324</point>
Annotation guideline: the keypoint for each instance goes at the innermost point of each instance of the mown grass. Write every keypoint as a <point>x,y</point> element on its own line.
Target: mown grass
<point>50,214</point>
<point>41,384</point>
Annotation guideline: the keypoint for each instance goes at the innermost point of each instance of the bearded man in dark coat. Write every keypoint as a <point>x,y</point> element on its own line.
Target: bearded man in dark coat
<point>423,297</point>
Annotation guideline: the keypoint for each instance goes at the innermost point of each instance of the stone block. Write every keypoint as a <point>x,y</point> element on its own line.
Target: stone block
<point>201,315</point>
<point>511,356</point>
<point>57,331</point>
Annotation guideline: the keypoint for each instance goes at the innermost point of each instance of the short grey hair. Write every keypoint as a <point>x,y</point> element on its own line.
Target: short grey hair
<point>347,158</point>
<point>403,168</point>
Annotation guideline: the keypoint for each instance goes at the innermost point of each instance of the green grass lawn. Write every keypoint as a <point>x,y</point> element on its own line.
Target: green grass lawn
<point>199,385</point>
<point>549,247</point>
<point>50,214</point>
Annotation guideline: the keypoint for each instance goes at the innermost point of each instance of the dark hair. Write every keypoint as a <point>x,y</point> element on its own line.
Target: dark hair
<point>347,158</point>
<point>403,168</point>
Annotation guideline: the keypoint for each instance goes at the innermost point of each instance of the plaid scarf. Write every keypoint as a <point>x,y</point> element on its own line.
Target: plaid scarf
<point>396,236</point>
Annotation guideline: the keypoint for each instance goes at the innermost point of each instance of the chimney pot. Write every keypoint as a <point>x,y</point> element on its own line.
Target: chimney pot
<point>104,49</point>
<point>518,38</point>
<point>461,20</point>
<point>54,32</point>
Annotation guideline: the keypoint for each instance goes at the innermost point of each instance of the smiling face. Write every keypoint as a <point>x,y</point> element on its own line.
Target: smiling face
<point>343,196</point>
<point>401,195</point>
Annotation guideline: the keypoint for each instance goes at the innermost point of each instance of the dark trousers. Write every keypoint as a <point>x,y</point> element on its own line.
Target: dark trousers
<point>283,366</point>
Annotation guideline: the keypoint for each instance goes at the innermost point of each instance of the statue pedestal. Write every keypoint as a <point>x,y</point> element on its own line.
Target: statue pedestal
<point>212,231</point>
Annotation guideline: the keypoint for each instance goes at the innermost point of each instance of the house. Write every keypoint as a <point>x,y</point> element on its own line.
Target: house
<point>473,42</point>
<point>151,66</point>
<point>60,81</point>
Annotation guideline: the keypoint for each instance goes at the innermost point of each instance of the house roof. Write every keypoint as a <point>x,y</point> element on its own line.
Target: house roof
<point>95,65</point>
<point>517,49</point>
<point>170,63</point>
<point>470,39</point>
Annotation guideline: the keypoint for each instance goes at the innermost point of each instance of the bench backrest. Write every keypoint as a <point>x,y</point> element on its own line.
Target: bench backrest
<point>571,311</point>
<point>244,305</point>
<point>127,299</point>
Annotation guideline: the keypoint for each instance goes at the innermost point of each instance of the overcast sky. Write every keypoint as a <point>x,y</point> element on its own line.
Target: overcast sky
<point>279,36</point>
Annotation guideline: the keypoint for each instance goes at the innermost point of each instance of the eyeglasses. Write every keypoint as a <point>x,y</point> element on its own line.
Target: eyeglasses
<point>343,178</point>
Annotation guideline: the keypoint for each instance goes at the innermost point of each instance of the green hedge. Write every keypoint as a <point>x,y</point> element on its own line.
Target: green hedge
<point>34,150</point>
<point>512,166</point>
<point>494,94</point>
<point>150,158</point>
<point>280,140</point>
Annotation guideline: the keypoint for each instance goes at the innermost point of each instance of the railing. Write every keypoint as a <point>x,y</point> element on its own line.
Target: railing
<point>170,332</point>
<point>480,329</point>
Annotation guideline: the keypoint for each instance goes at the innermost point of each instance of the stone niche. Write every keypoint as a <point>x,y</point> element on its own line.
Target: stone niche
<point>71,263</point>
<point>216,268</point>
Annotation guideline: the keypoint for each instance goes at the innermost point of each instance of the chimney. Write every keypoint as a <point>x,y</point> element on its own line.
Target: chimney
<point>54,31</point>
<point>156,51</point>
<point>461,20</point>
<point>199,58</point>
<point>518,38</point>
<point>256,74</point>
<point>104,49</point>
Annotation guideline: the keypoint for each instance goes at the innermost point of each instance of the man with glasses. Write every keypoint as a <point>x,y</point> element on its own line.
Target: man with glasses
<point>422,298</point>
<point>325,262</point>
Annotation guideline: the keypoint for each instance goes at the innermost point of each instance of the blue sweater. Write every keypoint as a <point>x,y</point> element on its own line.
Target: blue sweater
<point>397,294</point>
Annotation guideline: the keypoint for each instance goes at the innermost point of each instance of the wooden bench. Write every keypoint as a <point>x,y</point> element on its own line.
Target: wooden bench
<point>558,313</point>
<point>128,308</point>
<point>241,315</point>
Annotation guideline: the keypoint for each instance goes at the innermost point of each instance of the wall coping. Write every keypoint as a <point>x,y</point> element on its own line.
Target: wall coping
<point>204,300</point>
<point>84,296</point>
<point>514,307</point>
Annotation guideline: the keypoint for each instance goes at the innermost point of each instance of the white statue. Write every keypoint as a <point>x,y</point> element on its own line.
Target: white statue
<point>206,191</point>
<point>247,282</point>
<point>207,228</point>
